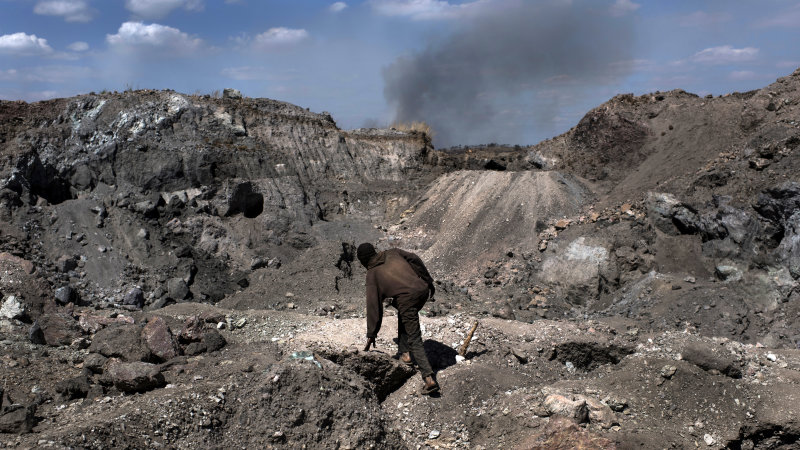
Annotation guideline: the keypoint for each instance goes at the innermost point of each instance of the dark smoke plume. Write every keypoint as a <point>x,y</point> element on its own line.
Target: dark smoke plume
<point>508,68</point>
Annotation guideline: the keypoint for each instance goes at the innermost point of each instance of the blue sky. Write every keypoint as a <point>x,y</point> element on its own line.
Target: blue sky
<point>508,71</point>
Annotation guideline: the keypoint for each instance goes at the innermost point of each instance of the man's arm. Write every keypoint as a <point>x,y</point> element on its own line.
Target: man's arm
<point>374,309</point>
<point>419,268</point>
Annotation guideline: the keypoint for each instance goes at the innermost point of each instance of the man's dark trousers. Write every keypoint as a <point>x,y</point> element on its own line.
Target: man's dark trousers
<point>409,335</point>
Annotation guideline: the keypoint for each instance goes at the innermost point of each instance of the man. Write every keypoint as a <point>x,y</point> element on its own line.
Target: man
<point>401,276</point>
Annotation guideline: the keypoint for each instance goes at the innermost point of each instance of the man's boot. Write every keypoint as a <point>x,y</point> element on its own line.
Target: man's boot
<point>430,386</point>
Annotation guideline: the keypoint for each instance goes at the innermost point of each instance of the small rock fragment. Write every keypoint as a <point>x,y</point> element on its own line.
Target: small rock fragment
<point>668,371</point>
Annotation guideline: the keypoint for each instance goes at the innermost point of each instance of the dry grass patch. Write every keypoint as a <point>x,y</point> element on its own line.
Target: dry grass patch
<point>421,127</point>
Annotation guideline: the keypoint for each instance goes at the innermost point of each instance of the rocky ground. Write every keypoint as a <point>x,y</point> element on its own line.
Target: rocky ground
<point>178,271</point>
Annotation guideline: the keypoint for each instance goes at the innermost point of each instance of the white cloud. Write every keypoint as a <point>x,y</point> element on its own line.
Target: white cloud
<point>157,9</point>
<point>136,35</point>
<point>725,54</point>
<point>337,7</point>
<point>24,44</point>
<point>425,9</point>
<point>281,36</point>
<point>70,10</point>
<point>622,7</point>
<point>78,46</point>
<point>703,19</point>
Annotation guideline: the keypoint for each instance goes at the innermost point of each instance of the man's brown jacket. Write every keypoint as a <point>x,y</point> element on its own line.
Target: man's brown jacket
<point>397,274</point>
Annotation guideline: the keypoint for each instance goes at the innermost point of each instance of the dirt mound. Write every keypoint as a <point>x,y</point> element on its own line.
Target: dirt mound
<point>468,217</point>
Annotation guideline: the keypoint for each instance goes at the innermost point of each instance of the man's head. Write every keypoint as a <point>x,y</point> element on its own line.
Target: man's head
<point>365,252</point>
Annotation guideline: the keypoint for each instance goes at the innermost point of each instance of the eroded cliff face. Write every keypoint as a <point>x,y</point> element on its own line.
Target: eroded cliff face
<point>153,182</point>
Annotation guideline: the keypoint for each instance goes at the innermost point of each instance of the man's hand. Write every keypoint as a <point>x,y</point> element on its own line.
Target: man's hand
<point>370,341</point>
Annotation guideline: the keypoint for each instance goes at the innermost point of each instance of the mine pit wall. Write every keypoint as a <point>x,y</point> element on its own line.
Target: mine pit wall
<point>144,183</point>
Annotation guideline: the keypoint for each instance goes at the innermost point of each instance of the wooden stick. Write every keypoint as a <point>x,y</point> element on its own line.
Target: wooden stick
<point>462,350</point>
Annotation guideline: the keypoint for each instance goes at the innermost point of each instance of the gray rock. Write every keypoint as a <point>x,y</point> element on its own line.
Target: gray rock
<point>574,408</point>
<point>177,289</point>
<point>505,311</point>
<point>195,348</point>
<point>231,93</point>
<point>134,297</point>
<point>779,203</point>
<point>72,388</point>
<point>18,419</point>
<point>789,248</point>
<point>213,340</point>
<point>65,294</point>
<point>599,413</point>
<point>66,263</point>
<point>258,262</point>
<point>94,362</point>
<point>727,272</point>
<point>706,358</point>
<point>35,334</point>
<point>136,376</point>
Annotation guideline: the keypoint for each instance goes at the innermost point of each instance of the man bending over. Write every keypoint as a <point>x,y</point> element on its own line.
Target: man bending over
<point>401,276</point>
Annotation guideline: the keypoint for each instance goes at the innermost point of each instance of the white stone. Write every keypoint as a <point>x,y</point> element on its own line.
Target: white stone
<point>709,439</point>
<point>772,357</point>
<point>12,308</point>
<point>460,359</point>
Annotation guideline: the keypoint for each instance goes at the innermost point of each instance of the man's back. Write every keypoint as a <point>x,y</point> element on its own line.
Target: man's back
<point>392,275</point>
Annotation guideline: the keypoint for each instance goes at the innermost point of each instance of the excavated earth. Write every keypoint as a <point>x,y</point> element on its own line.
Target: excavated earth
<point>179,271</point>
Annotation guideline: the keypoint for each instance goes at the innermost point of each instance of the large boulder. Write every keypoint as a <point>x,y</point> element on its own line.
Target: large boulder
<point>17,418</point>
<point>56,329</point>
<point>72,388</point>
<point>136,376</point>
<point>121,341</point>
<point>157,336</point>
<point>670,215</point>
<point>711,359</point>
<point>213,340</point>
<point>192,330</point>
<point>66,294</point>
<point>779,203</point>
<point>571,407</point>
<point>177,289</point>
<point>134,297</point>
